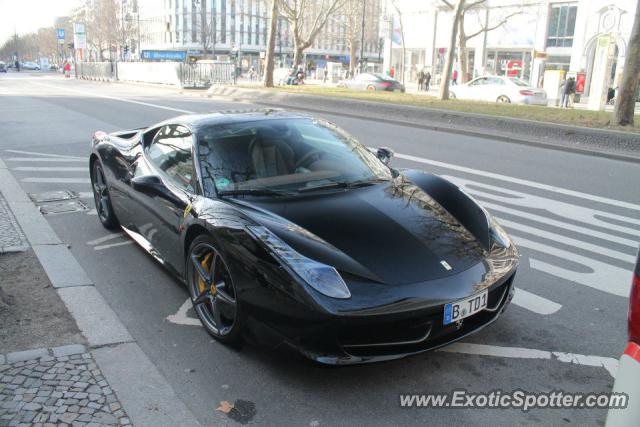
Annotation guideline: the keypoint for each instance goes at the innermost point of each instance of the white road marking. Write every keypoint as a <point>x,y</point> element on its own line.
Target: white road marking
<point>104,239</point>
<point>566,210</point>
<point>112,245</point>
<point>181,318</point>
<point>535,303</point>
<point>533,184</point>
<point>115,98</point>
<point>45,159</point>
<point>51,169</point>
<point>567,241</point>
<point>608,363</point>
<point>561,224</point>
<point>603,277</point>
<point>85,194</point>
<point>35,153</point>
<point>58,180</point>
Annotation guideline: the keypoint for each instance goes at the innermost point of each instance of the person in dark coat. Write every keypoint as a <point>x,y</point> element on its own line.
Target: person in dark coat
<point>420,79</point>
<point>427,80</point>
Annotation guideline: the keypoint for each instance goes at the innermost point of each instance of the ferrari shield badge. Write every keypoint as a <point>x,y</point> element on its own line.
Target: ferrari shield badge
<point>187,210</point>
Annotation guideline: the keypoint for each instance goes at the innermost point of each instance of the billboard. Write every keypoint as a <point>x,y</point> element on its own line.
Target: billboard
<point>79,36</point>
<point>164,55</point>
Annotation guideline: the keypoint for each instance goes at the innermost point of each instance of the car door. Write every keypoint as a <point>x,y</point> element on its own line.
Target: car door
<point>495,88</point>
<point>476,89</point>
<point>164,184</point>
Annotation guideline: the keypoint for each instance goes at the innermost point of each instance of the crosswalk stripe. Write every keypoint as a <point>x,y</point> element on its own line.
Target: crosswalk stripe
<point>568,241</point>
<point>104,239</point>
<point>535,303</point>
<point>34,153</point>
<point>45,159</point>
<point>524,182</point>
<point>51,169</point>
<point>58,180</point>
<point>561,224</point>
<point>603,277</point>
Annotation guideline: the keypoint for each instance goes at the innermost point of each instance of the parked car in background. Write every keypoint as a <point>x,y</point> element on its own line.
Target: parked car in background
<point>372,81</point>
<point>499,89</point>
<point>30,66</point>
<point>53,67</point>
<point>3,67</point>
<point>628,375</point>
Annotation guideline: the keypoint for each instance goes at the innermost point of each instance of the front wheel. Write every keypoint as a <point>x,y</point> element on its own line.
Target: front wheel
<point>371,88</point>
<point>102,199</point>
<point>213,292</point>
<point>503,99</point>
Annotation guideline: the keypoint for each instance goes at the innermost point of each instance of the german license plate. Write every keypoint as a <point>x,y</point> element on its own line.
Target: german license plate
<point>464,308</point>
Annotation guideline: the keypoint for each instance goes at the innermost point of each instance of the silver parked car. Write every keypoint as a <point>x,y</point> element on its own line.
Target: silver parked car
<point>371,82</point>
<point>499,89</point>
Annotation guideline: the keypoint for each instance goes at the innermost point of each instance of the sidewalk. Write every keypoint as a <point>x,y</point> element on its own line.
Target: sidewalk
<point>65,357</point>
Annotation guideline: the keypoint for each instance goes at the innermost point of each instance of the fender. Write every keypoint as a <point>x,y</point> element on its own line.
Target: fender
<point>456,202</point>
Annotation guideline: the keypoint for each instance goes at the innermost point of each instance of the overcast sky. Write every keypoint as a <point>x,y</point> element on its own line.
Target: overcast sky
<point>26,16</point>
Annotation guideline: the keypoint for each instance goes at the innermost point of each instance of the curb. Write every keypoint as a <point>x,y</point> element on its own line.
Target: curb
<point>97,321</point>
<point>611,144</point>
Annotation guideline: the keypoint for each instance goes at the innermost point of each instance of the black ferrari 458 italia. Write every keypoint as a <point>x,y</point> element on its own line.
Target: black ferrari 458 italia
<point>287,229</point>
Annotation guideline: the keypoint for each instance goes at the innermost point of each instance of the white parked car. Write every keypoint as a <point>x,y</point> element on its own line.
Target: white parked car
<point>499,89</point>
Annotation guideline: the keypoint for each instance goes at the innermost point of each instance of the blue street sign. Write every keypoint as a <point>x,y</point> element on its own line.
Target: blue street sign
<point>60,33</point>
<point>164,55</point>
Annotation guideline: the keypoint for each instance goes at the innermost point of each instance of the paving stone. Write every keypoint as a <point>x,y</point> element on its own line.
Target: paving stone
<point>85,418</point>
<point>94,405</point>
<point>19,379</point>
<point>68,417</point>
<point>21,356</point>
<point>2,359</point>
<point>31,406</point>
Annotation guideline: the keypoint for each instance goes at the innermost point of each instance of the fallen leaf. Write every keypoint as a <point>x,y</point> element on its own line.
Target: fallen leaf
<point>225,407</point>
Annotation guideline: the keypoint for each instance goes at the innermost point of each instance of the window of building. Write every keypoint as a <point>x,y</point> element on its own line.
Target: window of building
<point>562,23</point>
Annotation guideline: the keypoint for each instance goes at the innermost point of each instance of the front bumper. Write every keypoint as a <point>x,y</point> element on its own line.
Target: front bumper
<point>379,337</point>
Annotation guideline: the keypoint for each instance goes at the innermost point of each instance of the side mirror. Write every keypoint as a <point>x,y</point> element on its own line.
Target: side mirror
<point>152,185</point>
<point>385,155</point>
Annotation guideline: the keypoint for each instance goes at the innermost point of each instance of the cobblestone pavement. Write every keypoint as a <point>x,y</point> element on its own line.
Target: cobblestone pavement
<point>11,237</point>
<point>61,386</point>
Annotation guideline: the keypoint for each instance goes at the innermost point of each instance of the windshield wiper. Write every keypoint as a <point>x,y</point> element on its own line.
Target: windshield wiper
<point>254,192</point>
<point>343,184</point>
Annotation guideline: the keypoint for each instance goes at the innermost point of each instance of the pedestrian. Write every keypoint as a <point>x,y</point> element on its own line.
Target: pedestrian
<point>572,91</point>
<point>567,86</point>
<point>392,72</point>
<point>454,77</point>
<point>427,81</point>
<point>325,74</point>
<point>67,69</point>
<point>17,65</point>
<point>420,79</point>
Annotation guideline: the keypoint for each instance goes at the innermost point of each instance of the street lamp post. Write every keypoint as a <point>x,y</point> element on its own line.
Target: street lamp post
<point>364,10</point>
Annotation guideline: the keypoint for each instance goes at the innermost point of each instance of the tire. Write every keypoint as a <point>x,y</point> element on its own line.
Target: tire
<point>102,198</point>
<point>371,88</point>
<point>503,99</point>
<point>220,311</point>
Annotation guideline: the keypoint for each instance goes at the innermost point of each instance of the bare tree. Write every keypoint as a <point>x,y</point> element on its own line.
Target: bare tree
<point>458,10</point>
<point>623,114</point>
<point>101,19</point>
<point>306,18</point>
<point>404,49</point>
<point>463,37</point>
<point>271,44</point>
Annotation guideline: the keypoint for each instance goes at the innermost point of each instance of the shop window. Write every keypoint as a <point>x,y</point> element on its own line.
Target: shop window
<point>562,23</point>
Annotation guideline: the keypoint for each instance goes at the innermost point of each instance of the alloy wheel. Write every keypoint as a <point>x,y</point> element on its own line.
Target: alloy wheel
<point>211,290</point>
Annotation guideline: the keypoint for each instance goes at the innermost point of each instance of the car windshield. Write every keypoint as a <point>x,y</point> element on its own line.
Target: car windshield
<point>518,82</point>
<point>271,157</point>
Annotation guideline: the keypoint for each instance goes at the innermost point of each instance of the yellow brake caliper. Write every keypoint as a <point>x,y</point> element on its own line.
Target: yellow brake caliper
<point>201,284</point>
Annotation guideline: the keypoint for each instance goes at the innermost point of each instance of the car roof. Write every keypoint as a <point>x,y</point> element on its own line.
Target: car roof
<point>197,121</point>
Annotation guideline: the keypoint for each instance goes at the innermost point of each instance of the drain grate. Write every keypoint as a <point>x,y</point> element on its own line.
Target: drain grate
<point>63,207</point>
<point>53,196</point>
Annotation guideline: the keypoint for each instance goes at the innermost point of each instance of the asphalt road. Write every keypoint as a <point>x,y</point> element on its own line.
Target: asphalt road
<point>575,217</point>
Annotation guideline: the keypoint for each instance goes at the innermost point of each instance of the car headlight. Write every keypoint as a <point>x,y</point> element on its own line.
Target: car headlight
<point>498,235</point>
<point>321,277</point>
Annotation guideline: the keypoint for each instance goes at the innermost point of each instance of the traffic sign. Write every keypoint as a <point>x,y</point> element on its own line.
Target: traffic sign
<point>60,32</point>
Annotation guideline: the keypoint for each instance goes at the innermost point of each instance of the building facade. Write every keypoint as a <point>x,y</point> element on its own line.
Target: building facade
<point>530,37</point>
<point>224,27</point>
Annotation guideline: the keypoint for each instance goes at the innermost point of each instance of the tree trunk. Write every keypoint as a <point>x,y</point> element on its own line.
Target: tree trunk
<point>298,56</point>
<point>271,44</point>
<point>353,60</point>
<point>462,51</point>
<point>448,65</point>
<point>626,97</point>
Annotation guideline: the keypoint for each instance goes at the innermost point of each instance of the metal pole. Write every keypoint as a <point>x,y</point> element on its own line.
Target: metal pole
<point>139,44</point>
<point>213,29</point>
<point>364,9</point>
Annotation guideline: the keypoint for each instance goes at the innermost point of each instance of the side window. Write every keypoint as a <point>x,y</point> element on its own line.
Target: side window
<point>170,151</point>
<point>479,82</point>
<point>495,81</point>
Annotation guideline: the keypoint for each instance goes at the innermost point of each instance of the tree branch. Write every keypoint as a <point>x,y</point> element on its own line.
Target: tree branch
<point>484,29</point>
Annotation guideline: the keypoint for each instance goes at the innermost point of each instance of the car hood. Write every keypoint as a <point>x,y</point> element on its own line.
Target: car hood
<point>392,232</point>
